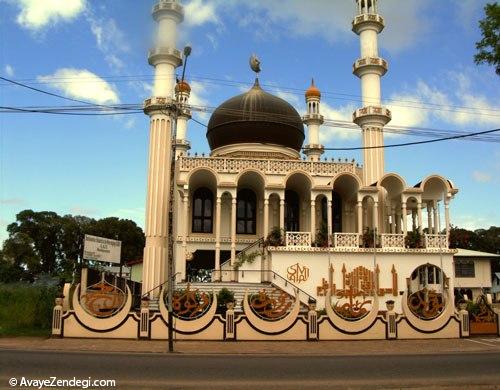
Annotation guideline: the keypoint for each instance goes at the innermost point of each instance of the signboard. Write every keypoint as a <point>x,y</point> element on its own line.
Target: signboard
<point>102,249</point>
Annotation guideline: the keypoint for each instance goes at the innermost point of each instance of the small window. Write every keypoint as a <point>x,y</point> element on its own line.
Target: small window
<point>464,269</point>
<point>202,211</point>
<point>246,213</point>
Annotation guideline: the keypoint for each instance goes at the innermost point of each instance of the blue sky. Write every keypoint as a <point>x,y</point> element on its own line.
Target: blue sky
<point>96,51</point>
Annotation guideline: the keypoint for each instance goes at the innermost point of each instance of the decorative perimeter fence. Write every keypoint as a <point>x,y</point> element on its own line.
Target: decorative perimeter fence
<point>103,311</point>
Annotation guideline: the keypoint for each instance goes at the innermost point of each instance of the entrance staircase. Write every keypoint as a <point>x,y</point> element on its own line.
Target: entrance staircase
<point>237,288</point>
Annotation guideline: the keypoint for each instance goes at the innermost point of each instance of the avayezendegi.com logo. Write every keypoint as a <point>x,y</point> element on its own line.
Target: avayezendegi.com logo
<point>65,383</point>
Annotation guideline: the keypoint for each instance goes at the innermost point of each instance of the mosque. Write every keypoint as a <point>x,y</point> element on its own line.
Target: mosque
<point>311,249</point>
<point>265,207</point>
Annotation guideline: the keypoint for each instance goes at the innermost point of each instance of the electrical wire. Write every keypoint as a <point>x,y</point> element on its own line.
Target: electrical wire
<point>414,143</point>
<point>295,91</point>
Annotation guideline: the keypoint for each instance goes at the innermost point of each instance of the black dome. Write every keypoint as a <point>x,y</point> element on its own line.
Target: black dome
<point>256,117</point>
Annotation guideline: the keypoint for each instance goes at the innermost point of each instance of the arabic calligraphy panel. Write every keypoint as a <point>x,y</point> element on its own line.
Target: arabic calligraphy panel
<point>103,299</point>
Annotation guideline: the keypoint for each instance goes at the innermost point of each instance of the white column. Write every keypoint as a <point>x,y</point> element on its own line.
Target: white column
<point>282,214</point>
<point>375,215</point>
<point>430,228</point>
<point>329,219</point>
<point>436,217</point>
<point>360,217</point>
<point>158,199</point>
<point>414,220</point>
<point>265,230</point>
<point>447,216</point>
<point>217,233</point>
<point>405,222</point>
<point>419,216</point>
<point>185,207</point>
<point>233,230</point>
<point>313,220</point>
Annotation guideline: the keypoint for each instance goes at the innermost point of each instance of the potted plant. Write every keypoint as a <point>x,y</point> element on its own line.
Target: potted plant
<point>224,298</point>
<point>321,239</point>
<point>368,238</point>
<point>413,239</point>
<point>275,237</point>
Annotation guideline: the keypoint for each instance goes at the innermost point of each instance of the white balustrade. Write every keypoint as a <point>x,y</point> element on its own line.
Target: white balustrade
<point>346,240</point>
<point>278,166</point>
<point>298,239</point>
<point>436,241</point>
<point>393,240</point>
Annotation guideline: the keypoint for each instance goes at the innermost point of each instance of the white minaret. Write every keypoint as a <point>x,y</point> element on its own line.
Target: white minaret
<point>313,119</point>
<point>370,68</point>
<point>161,108</point>
<point>182,93</point>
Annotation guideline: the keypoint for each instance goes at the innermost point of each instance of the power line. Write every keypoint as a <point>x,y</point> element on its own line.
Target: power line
<point>294,91</point>
<point>34,111</point>
<point>414,143</point>
<point>262,116</point>
<point>53,94</point>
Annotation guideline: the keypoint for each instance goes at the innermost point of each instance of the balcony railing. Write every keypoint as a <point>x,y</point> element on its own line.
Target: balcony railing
<point>298,239</point>
<point>436,241</point>
<point>346,240</point>
<point>392,240</point>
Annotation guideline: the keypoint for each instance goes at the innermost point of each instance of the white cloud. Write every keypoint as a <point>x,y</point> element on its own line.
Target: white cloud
<point>12,201</point>
<point>110,40</point>
<point>198,98</point>
<point>82,84</point>
<point>79,210</point>
<point>37,14</point>
<point>481,177</point>
<point>331,133</point>
<point>425,104</point>
<point>199,12</point>
<point>328,19</point>
<point>9,70</point>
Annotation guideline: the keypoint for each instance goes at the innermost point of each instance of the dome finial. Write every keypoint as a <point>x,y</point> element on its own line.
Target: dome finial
<point>313,91</point>
<point>255,64</point>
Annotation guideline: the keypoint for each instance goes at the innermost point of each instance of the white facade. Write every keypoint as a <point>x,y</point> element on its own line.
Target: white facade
<point>326,210</point>
<point>473,272</point>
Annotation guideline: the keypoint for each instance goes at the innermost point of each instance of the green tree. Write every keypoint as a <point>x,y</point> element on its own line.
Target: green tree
<point>43,228</point>
<point>125,230</point>
<point>44,242</point>
<point>489,47</point>
<point>18,259</point>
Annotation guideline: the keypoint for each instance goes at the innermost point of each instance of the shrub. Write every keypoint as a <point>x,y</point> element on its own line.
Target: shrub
<point>275,237</point>
<point>26,309</point>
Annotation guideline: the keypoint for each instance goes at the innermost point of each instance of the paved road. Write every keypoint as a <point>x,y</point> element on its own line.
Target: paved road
<point>253,371</point>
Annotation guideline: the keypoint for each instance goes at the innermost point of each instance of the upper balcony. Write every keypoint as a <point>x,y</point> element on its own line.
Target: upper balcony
<point>354,242</point>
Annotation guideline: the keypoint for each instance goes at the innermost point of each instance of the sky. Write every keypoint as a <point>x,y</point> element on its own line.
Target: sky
<point>97,51</point>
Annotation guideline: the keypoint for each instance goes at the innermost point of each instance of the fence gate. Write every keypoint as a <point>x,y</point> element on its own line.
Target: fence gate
<point>483,320</point>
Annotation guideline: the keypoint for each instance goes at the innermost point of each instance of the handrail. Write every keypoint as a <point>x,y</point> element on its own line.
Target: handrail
<point>154,288</point>
<point>258,242</point>
<point>287,282</point>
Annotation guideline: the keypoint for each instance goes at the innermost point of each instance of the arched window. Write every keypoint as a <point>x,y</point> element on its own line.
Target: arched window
<point>202,211</point>
<point>292,211</point>
<point>246,213</point>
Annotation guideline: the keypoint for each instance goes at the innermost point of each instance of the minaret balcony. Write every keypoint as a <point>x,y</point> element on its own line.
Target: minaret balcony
<point>366,65</point>
<point>313,118</point>
<point>165,54</point>
<point>162,104</point>
<point>368,22</point>
<point>170,8</point>
<point>372,115</point>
